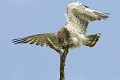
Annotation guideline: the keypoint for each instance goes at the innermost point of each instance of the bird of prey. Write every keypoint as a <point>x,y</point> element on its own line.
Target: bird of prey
<point>73,34</point>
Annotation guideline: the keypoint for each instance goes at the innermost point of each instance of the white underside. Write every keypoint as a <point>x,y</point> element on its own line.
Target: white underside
<point>76,38</point>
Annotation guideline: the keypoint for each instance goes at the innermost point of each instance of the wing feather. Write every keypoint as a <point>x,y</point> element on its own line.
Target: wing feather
<point>81,20</point>
<point>93,14</point>
<point>85,15</point>
<point>89,14</point>
<point>39,39</point>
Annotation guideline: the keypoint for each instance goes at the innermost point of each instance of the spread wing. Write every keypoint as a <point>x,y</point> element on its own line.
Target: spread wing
<point>82,15</point>
<point>87,16</point>
<point>39,39</point>
<point>90,15</point>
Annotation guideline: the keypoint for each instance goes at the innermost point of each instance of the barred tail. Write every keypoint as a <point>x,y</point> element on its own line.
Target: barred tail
<point>92,40</point>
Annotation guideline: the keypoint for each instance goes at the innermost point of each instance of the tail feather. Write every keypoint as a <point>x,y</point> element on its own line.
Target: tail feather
<point>92,39</point>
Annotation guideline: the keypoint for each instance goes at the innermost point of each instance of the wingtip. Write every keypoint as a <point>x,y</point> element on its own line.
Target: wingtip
<point>107,13</point>
<point>101,14</point>
<point>99,34</point>
<point>17,41</point>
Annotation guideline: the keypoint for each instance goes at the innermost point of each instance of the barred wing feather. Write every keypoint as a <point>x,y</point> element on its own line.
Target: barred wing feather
<point>39,39</point>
